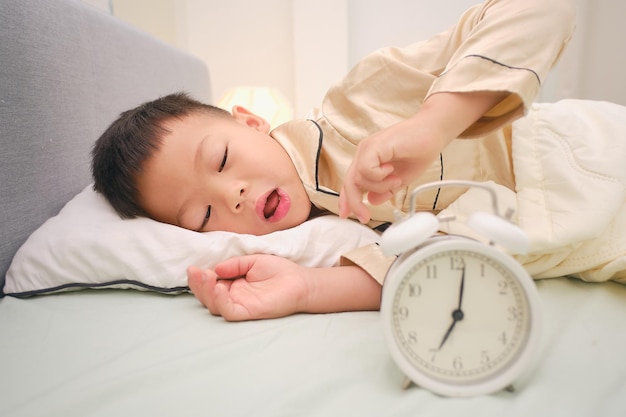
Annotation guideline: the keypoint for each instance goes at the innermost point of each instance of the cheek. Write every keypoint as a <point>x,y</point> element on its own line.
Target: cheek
<point>301,207</point>
<point>273,153</point>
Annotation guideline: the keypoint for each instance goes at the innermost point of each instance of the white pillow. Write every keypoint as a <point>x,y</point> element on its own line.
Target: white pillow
<point>87,245</point>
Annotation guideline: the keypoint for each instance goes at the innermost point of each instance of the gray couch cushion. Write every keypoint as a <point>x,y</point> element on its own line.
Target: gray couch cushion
<point>66,71</point>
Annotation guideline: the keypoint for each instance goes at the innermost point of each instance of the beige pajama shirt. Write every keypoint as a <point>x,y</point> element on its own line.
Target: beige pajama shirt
<point>560,166</point>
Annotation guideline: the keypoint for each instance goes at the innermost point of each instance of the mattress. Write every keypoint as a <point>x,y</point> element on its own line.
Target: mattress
<point>126,352</point>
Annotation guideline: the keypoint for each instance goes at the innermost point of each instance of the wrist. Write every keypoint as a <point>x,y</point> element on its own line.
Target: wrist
<point>337,289</point>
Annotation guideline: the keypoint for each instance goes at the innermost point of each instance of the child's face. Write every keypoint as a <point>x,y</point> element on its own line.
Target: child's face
<point>219,173</point>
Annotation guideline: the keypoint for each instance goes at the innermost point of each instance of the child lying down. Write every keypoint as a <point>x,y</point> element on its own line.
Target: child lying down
<point>458,106</point>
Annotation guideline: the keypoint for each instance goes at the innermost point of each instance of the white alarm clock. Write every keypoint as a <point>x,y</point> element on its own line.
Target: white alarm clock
<point>461,317</point>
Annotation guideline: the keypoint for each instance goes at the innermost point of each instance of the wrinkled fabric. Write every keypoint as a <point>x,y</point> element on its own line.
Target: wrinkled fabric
<point>559,166</point>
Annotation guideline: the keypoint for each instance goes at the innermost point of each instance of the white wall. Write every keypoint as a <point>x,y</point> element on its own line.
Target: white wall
<point>603,60</point>
<point>104,5</point>
<point>301,47</point>
<point>159,17</point>
<point>245,42</point>
<point>375,24</point>
<point>321,45</point>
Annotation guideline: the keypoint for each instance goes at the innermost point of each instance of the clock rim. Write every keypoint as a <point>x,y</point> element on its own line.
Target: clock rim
<point>521,365</point>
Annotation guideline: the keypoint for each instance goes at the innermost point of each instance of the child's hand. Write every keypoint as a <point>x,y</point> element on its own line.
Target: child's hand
<point>250,287</point>
<point>266,286</point>
<point>387,161</point>
<point>395,157</point>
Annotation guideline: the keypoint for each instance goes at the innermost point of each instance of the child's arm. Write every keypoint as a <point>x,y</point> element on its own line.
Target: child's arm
<point>392,158</point>
<point>267,286</point>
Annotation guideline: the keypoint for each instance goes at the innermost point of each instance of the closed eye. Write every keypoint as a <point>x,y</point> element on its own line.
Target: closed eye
<point>221,168</point>
<point>207,215</point>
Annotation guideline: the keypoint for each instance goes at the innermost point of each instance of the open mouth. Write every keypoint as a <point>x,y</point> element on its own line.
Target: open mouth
<point>271,204</point>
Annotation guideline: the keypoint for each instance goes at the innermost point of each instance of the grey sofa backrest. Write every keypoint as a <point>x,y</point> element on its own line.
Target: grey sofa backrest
<point>66,71</point>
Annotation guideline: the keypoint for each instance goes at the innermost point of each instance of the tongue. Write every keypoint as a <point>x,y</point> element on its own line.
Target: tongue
<point>271,204</point>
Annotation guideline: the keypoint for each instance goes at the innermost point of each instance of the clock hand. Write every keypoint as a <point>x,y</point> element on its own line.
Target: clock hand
<point>445,337</point>
<point>461,290</point>
<point>457,315</point>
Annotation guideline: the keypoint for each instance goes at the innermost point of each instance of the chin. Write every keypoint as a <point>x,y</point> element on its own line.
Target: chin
<point>277,227</point>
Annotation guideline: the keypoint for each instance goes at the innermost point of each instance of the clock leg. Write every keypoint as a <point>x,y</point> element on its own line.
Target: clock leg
<point>406,384</point>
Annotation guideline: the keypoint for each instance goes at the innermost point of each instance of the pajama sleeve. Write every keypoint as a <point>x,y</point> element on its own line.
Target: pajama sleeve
<point>500,45</point>
<point>506,46</point>
<point>371,259</point>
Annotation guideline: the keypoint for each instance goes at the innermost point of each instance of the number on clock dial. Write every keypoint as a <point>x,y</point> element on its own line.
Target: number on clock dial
<point>479,335</point>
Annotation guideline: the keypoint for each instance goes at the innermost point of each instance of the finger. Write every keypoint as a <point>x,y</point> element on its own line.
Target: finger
<point>351,201</point>
<point>351,197</point>
<point>346,193</point>
<point>379,198</point>
<point>195,282</point>
<point>229,310</point>
<point>202,285</point>
<point>379,183</point>
<point>379,191</point>
<point>236,267</point>
<point>372,175</point>
<point>344,202</point>
<point>387,189</point>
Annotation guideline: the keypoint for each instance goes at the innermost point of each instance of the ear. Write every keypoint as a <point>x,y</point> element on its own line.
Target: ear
<point>246,117</point>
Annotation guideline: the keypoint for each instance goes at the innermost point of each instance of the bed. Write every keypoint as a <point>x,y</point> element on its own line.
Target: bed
<point>86,332</point>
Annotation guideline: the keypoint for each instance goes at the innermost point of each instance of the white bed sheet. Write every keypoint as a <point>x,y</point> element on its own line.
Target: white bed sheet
<point>129,353</point>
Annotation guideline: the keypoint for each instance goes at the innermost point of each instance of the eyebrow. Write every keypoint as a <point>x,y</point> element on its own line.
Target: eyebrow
<point>199,148</point>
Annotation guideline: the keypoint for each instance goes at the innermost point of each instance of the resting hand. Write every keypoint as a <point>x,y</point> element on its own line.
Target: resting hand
<point>250,287</point>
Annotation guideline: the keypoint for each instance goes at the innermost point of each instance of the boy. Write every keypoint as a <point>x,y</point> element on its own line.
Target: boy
<point>389,126</point>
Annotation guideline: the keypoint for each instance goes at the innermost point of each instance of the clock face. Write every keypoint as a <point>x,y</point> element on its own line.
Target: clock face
<point>459,316</point>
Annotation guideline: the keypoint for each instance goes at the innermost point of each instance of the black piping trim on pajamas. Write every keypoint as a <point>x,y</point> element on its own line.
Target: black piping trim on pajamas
<point>317,162</point>
<point>382,227</point>
<point>506,66</point>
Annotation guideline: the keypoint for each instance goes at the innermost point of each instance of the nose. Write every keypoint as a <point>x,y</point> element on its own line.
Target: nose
<point>235,199</point>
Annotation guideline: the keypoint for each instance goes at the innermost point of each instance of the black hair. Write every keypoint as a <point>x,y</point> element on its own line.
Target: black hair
<point>119,153</point>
